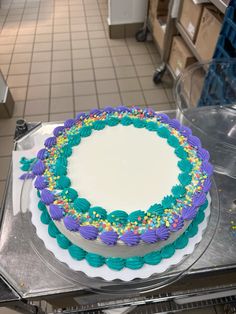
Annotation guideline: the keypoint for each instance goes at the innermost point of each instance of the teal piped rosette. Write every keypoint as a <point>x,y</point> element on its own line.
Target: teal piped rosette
<point>119,217</point>
<point>163,132</point>
<point>62,241</point>
<point>41,206</point>
<point>67,151</point>
<point>135,262</point>
<point>95,260</point>
<point>97,213</point>
<point>126,121</point>
<point>85,131</point>
<point>69,194</point>
<point>139,123</point>
<point>115,263</point>
<point>152,258</point>
<point>137,215</point>
<point>173,141</point>
<point>99,125</point>
<point>74,139</point>
<point>45,218</point>
<point>113,121</point>
<point>26,164</point>
<point>151,126</point>
<point>178,191</point>
<point>52,229</point>
<point>63,182</point>
<point>76,252</point>
<point>81,205</point>
<point>156,210</point>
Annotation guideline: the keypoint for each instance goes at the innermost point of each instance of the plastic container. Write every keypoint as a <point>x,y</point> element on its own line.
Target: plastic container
<point>205,95</point>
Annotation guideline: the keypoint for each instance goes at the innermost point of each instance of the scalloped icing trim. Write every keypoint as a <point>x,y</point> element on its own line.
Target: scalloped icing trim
<point>135,262</point>
<point>161,125</point>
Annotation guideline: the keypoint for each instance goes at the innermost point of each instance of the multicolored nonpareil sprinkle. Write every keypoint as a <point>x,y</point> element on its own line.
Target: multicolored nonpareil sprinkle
<point>181,205</point>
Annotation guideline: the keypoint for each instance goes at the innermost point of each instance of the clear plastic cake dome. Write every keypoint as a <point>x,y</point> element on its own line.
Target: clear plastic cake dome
<point>50,257</point>
<point>205,95</point>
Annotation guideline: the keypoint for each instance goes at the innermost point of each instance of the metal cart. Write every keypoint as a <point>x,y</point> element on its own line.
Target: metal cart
<point>173,27</point>
<point>205,278</point>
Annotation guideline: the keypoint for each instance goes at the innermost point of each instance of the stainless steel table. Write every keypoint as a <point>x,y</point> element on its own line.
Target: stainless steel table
<point>29,278</point>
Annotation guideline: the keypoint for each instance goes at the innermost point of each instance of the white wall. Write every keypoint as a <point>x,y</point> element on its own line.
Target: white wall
<point>126,11</point>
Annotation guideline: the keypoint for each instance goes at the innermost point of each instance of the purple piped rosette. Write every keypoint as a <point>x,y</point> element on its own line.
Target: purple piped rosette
<point>40,183</point>
<point>47,197</point>
<point>185,131</point>
<point>50,142</point>
<point>81,116</point>
<point>69,123</point>
<point>130,237</point>
<point>189,212</point>
<point>56,212</point>
<point>163,117</point>
<point>177,224</point>
<point>149,236</point>
<point>194,141</point>
<point>95,112</point>
<point>38,168</point>
<point>174,123</point>
<point>71,224</point>
<point>88,232</point>
<point>42,154</point>
<point>109,237</point>
<point>26,176</point>
<point>58,130</point>
<point>109,109</point>
<point>162,233</point>
<point>123,109</point>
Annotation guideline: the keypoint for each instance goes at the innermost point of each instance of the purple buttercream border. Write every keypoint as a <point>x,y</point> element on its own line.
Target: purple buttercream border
<point>130,238</point>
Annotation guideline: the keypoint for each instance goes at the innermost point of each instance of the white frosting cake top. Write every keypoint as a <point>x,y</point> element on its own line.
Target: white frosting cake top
<point>123,168</point>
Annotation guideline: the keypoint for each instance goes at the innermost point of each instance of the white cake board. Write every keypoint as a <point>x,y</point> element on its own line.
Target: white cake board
<point>104,271</point>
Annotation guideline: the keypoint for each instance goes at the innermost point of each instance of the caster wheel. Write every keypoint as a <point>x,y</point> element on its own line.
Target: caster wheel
<point>157,76</point>
<point>141,36</point>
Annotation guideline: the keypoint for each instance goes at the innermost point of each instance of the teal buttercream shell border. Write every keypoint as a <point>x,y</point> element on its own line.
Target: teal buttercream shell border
<point>135,262</point>
<point>116,217</point>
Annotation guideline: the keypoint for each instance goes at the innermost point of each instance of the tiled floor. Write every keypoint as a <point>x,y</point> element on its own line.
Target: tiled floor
<point>58,59</point>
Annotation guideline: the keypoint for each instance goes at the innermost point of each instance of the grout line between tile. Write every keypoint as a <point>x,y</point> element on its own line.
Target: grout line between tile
<point>6,16</point>
<point>90,49</point>
<point>136,72</point>
<point>51,60</point>
<point>72,68</point>
<point>14,44</point>
<point>14,49</point>
<point>109,47</point>
<point>33,43</point>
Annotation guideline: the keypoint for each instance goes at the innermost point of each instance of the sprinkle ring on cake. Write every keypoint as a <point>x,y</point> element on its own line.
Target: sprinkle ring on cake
<point>122,186</point>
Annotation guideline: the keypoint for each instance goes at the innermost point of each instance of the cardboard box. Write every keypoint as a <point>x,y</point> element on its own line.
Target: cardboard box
<point>190,17</point>
<point>159,26</point>
<point>193,87</point>
<point>180,55</point>
<point>162,7</point>
<point>208,33</point>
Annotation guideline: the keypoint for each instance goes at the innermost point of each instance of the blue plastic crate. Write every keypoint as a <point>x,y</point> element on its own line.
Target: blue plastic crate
<point>220,83</point>
<point>225,48</point>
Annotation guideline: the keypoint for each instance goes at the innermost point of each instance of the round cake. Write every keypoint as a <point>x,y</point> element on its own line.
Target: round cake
<point>122,186</point>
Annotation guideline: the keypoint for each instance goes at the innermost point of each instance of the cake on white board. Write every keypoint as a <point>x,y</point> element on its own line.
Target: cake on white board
<point>122,186</point>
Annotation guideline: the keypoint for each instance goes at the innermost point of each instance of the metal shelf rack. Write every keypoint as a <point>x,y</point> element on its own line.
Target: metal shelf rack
<point>172,27</point>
